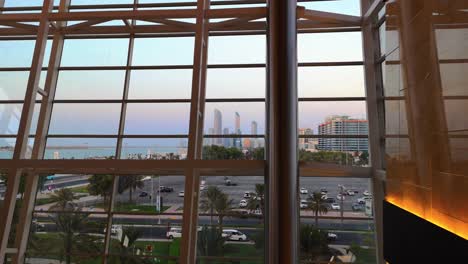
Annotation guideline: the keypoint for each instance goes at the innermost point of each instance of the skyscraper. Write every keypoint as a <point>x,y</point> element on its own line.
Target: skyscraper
<point>237,130</point>
<point>306,143</point>
<point>227,142</point>
<point>253,131</point>
<point>218,126</point>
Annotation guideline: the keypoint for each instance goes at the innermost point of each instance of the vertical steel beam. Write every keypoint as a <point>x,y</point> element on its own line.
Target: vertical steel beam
<point>14,176</point>
<point>118,149</point>
<point>282,221</point>
<point>197,110</point>
<point>376,117</point>
<point>31,185</point>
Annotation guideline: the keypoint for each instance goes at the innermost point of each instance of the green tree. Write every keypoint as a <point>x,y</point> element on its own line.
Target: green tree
<point>209,199</point>
<point>125,253</point>
<point>317,204</point>
<point>210,242</point>
<point>223,206</point>
<point>130,183</point>
<point>313,243</point>
<point>64,199</point>
<point>257,199</point>
<point>100,184</point>
<point>22,184</point>
<point>215,152</point>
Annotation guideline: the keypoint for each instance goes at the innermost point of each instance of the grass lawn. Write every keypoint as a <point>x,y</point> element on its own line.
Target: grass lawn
<point>131,207</point>
<point>43,201</point>
<point>80,189</point>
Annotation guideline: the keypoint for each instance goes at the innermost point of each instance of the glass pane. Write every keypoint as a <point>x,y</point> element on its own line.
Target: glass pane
<point>325,230</point>
<point>13,85</point>
<point>95,52</point>
<point>85,118</point>
<point>10,115</point>
<point>160,84</point>
<point>341,151</point>
<point>236,83</point>
<point>16,3</point>
<point>16,53</point>
<point>327,47</point>
<point>163,118</point>
<point>155,148</point>
<point>347,7</point>
<point>237,49</point>
<point>163,51</point>
<point>230,219</point>
<point>80,148</point>
<point>74,192</point>
<point>144,194</point>
<point>339,81</point>
<point>7,146</point>
<point>314,115</point>
<point>90,85</point>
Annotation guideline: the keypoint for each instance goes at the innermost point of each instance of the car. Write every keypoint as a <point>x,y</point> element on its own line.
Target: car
<point>36,226</point>
<point>174,232</point>
<point>323,190</point>
<point>229,183</point>
<point>332,236</point>
<point>181,194</point>
<point>243,203</point>
<point>304,204</point>
<point>50,177</point>
<point>366,193</point>
<point>247,195</point>
<point>324,197</point>
<point>304,191</point>
<point>340,197</point>
<point>357,207</point>
<point>143,194</point>
<point>114,229</point>
<point>165,189</point>
<point>234,235</point>
<point>350,193</point>
<point>330,200</point>
<point>202,187</point>
<point>363,200</point>
<point>335,206</point>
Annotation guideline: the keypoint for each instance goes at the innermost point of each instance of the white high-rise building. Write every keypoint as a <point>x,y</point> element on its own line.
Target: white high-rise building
<point>343,125</point>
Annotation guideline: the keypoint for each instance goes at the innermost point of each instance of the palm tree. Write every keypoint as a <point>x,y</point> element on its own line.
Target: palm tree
<point>130,183</point>
<point>318,205</point>
<point>63,198</point>
<point>210,242</point>
<point>100,185</point>
<point>209,199</point>
<point>70,226</point>
<point>223,206</point>
<point>257,200</point>
<point>125,253</point>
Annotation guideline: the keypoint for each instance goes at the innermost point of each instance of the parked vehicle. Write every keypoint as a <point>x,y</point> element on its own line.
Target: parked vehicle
<point>303,204</point>
<point>332,236</point>
<point>357,207</point>
<point>330,200</point>
<point>229,183</point>
<point>174,232</point>
<point>143,194</point>
<point>247,195</point>
<point>181,194</point>
<point>304,191</point>
<point>233,234</point>
<point>243,203</point>
<point>363,200</point>
<point>114,229</point>
<point>366,193</point>
<point>340,197</point>
<point>165,189</point>
<point>335,206</point>
<point>323,190</point>
<point>350,192</point>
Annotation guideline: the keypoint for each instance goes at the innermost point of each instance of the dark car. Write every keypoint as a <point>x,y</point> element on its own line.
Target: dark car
<point>143,194</point>
<point>330,200</point>
<point>165,189</point>
<point>357,207</point>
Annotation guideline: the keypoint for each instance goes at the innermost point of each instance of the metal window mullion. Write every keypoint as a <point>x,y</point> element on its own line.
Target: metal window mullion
<point>118,149</point>
<point>14,175</point>
<point>375,113</point>
<point>40,139</point>
<point>192,180</point>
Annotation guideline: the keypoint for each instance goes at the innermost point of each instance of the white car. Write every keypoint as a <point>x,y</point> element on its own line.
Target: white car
<point>335,206</point>
<point>363,200</point>
<point>174,232</point>
<point>235,235</point>
<point>243,203</point>
<point>324,197</point>
<point>304,191</point>
<point>114,229</point>
<point>247,195</point>
<point>181,194</point>
<point>340,197</point>
<point>303,204</point>
<point>202,187</point>
<point>332,236</point>
<point>366,193</point>
<point>350,193</point>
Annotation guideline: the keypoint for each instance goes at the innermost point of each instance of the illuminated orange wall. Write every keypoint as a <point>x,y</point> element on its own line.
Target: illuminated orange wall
<point>426,89</point>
